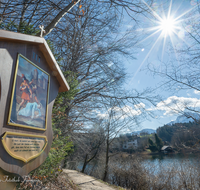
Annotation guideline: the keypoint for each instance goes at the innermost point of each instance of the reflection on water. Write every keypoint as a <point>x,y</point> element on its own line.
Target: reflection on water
<point>178,162</point>
<point>171,158</point>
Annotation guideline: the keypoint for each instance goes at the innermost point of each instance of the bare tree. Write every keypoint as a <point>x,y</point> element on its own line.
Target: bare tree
<point>116,120</point>
<point>92,47</point>
<point>88,145</point>
<point>25,13</point>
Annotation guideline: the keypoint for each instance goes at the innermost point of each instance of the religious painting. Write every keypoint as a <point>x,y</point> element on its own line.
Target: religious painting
<point>30,96</point>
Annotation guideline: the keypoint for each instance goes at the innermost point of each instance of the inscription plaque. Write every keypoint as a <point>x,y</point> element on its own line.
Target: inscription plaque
<point>23,146</point>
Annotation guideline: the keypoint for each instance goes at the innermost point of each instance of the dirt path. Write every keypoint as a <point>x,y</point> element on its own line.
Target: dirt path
<point>86,182</point>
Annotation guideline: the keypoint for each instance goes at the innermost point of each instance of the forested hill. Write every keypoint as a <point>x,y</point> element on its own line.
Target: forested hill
<point>180,133</point>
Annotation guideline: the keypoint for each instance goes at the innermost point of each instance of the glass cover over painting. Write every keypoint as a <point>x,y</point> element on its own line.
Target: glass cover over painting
<point>30,96</point>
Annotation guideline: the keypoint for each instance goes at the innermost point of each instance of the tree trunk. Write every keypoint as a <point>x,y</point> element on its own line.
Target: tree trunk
<point>59,16</point>
<point>107,160</point>
<point>85,163</point>
<point>22,16</point>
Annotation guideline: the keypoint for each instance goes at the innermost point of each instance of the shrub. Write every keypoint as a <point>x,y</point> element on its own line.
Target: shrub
<point>128,173</point>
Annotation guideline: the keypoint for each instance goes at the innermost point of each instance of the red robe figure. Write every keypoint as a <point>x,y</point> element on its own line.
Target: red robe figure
<point>27,92</point>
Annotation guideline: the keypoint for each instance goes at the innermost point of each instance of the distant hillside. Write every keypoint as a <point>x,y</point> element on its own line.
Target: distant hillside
<point>150,131</point>
<point>185,129</point>
<point>185,118</point>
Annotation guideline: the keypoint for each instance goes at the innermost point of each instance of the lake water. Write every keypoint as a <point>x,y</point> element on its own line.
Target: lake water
<point>166,159</point>
<point>153,163</point>
<point>180,162</point>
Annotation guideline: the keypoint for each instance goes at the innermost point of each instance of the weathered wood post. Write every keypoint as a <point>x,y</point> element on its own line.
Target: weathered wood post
<point>30,80</point>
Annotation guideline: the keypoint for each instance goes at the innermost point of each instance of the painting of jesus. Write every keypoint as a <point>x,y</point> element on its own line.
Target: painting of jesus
<point>30,95</point>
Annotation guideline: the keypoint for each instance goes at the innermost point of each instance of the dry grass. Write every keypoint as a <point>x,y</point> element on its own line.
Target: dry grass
<point>131,174</point>
<point>128,173</point>
<point>62,182</point>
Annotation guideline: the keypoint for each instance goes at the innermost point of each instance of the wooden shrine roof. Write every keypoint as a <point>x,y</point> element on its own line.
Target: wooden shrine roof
<point>44,48</point>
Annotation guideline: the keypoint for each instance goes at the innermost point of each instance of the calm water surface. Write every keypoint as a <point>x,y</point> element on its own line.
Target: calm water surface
<point>172,161</point>
<point>158,162</point>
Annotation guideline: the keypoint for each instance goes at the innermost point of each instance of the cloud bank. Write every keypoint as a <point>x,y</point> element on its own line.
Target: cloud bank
<point>174,104</point>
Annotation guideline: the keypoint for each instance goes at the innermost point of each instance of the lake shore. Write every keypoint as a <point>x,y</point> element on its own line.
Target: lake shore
<point>148,153</point>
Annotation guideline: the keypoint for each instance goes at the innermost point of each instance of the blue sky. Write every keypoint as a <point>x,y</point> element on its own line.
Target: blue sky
<point>140,79</point>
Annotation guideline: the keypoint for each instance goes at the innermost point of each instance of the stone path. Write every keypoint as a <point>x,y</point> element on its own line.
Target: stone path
<point>86,182</point>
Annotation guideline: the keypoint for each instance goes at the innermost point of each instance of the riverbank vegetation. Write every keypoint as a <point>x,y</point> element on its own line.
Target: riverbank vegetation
<point>133,172</point>
<point>133,175</point>
<point>157,145</point>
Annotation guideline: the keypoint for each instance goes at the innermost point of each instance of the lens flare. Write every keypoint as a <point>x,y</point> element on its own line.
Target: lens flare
<point>167,26</point>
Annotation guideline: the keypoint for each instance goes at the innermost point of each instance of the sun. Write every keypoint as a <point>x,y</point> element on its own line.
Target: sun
<point>167,26</point>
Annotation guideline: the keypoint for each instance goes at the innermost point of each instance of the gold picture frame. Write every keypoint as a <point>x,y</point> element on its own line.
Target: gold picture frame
<point>23,151</point>
<point>30,96</point>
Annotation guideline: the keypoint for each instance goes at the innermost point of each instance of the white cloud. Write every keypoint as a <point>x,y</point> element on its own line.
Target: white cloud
<point>196,92</point>
<point>140,105</point>
<point>176,104</point>
<point>130,111</point>
<point>124,111</point>
<point>102,115</point>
